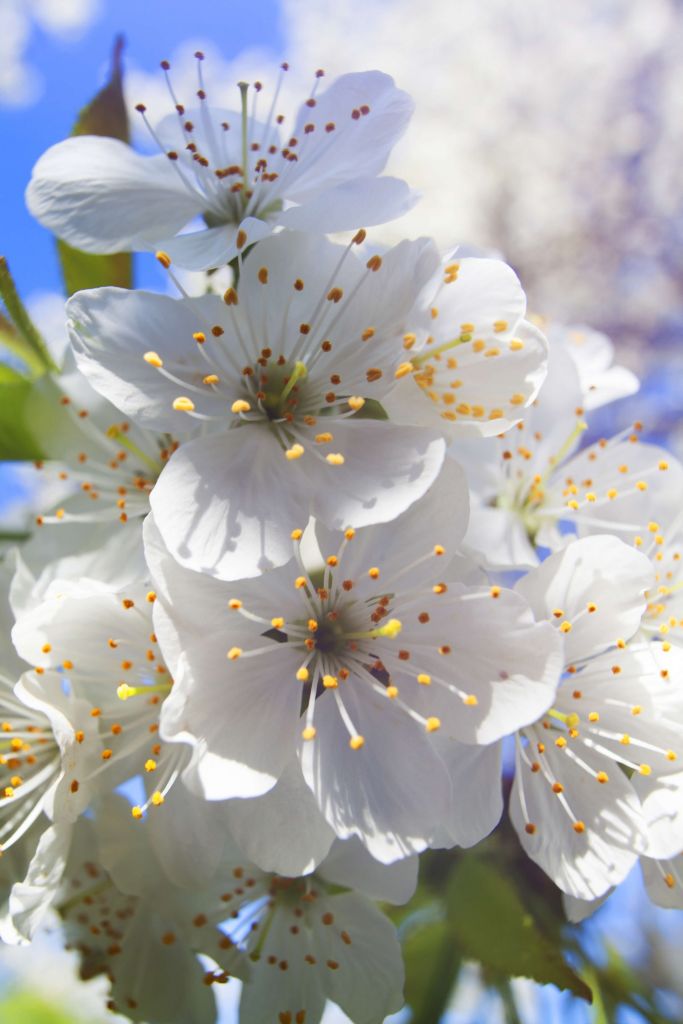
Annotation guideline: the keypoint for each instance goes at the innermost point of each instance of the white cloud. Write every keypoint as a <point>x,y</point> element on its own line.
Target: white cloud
<point>20,83</point>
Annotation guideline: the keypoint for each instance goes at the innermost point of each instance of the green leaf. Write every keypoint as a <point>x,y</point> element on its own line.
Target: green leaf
<point>432,962</point>
<point>16,439</point>
<point>19,334</point>
<point>491,925</point>
<point>24,1007</point>
<point>105,115</point>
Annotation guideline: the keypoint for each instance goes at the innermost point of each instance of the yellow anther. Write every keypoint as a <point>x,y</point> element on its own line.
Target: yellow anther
<point>324,438</point>
<point>470,700</point>
<point>636,709</point>
<point>565,627</point>
<point>500,325</point>
<point>150,765</point>
<point>392,692</point>
<point>612,493</point>
<point>241,405</point>
<point>154,359</point>
<point>295,452</point>
<point>163,258</point>
<point>330,682</point>
<point>230,297</point>
<point>662,465</point>
<point>278,622</point>
<point>136,812</point>
<point>573,504</point>
<point>495,592</point>
<point>349,534</point>
<point>625,740</point>
<point>235,604</point>
<point>602,777</point>
<point>432,724</point>
<point>403,370</point>
<point>671,755</point>
<point>183,404</point>
<point>312,625</point>
<point>303,675</point>
<point>560,742</point>
<point>157,798</point>
<point>653,527</point>
<point>645,769</point>
<point>308,733</point>
<point>641,485</point>
<point>579,827</point>
<point>234,653</point>
<point>356,742</point>
<point>390,629</point>
<point>516,345</point>
<point>211,378</point>
<point>300,582</point>
<point>373,573</point>
<point>439,550</point>
<point>424,679</point>
<point>591,496</point>
<point>593,716</point>
<point>124,691</point>
<point>355,402</point>
<point>335,459</point>
<point>199,337</point>
<point>591,607</point>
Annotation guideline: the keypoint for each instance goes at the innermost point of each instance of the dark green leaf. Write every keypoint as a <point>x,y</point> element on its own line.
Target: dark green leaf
<point>16,439</point>
<point>491,925</point>
<point>104,115</point>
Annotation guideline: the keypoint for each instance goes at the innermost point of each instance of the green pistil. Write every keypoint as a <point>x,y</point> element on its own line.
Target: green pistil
<point>571,720</point>
<point>118,435</point>
<point>428,354</point>
<point>244,88</point>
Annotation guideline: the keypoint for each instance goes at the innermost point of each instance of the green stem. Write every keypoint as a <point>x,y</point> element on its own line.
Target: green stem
<point>22,321</point>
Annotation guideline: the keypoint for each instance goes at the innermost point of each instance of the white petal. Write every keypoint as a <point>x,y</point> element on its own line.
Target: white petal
<point>498,654</point>
<point>212,247</point>
<point>244,749</point>
<point>111,329</point>
<point>476,793</point>
<point>369,982</point>
<point>583,864</point>
<point>386,468</point>
<point>99,195</point>
<point>227,505</point>
<point>30,899</point>
<point>349,864</point>
<point>363,201</point>
<point>283,831</point>
<point>389,793</point>
<point>600,571</point>
<point>439,517</point>
<point>358,146</point>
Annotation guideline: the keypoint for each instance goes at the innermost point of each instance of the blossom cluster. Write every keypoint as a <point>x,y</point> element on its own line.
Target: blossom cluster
<point>326,544</point>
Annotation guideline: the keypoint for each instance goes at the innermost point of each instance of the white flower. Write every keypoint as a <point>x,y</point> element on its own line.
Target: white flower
<point>472,363</point>
<point>593,355</point>
<point>531,481</point>
<point>294,941</point>
<point>279,373</point>
<point>49,747</point>
<point>617,713</point>
<point>244,176</point>
<point>102,641</point>
<point>354,667</point>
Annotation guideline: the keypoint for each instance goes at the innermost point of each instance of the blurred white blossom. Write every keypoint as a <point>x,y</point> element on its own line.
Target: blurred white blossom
<point>549,133</point>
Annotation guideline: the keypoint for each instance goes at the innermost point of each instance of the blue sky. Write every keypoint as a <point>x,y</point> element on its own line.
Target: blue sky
<point>73,69</point>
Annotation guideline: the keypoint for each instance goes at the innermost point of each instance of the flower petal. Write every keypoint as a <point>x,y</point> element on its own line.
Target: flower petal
<point>99,195</point>
<point>226,505</point>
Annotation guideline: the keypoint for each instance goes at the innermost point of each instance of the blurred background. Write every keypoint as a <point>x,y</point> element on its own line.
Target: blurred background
<point>549,134</point>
